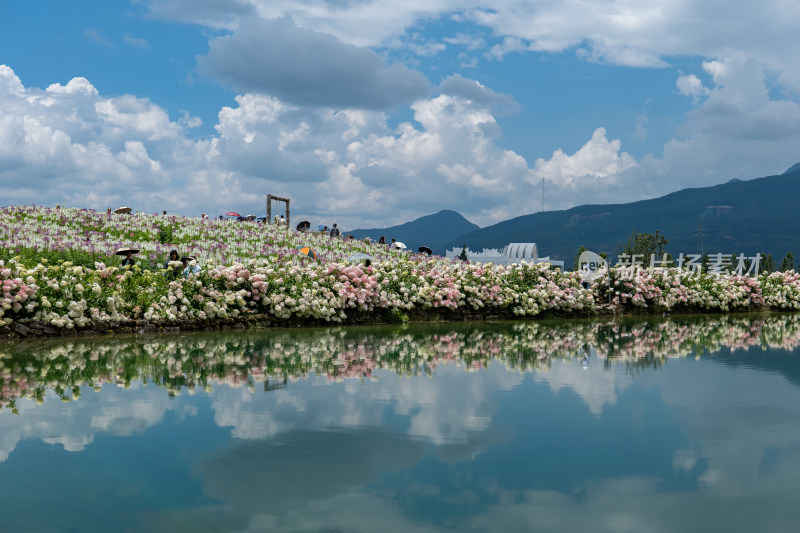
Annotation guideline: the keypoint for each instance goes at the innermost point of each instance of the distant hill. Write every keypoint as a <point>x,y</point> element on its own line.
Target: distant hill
<point>794,168</point>
<point>433,231</point>
<point>760,215</point>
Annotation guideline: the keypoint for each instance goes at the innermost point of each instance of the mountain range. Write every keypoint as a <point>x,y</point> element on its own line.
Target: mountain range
<point>753,216</point>
<point>434,231</point>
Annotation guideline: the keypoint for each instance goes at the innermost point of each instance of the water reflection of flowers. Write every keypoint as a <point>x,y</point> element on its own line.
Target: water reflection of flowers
<point>203,361</point>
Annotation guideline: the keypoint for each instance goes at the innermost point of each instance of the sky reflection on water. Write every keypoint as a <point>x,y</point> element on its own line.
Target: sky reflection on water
<point>602,426</point>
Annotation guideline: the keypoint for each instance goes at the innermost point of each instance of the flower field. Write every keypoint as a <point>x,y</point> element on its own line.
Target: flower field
<point>58,268</point>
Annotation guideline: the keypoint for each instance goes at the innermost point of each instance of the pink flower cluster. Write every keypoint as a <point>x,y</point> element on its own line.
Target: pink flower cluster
<point>355,285</point>
<point>15,292</point>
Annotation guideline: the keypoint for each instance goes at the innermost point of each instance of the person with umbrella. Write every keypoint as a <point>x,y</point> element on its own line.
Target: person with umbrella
<point>128,253</point>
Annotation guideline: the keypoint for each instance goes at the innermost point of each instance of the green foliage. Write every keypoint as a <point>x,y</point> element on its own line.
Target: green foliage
<point>767,264</point>
<point>787,263</point>
<point>165,234</point>
<point>463,254</point>
<point>33,256</point>
<point>577,257</point>
<point>644,244</point>
<point>398,316</point>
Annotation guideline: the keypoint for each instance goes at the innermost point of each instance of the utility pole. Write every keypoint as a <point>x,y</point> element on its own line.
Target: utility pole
<point>700,237</point>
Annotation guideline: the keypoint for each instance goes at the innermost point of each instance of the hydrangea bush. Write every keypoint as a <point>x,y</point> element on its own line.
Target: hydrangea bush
<point>674,289</point>
<point>65,295</point>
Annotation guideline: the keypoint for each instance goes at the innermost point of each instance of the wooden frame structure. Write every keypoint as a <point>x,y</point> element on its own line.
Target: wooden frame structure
<point>270,198</point>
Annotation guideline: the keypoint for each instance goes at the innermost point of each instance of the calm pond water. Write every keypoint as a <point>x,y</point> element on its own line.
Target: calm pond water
<point>684,424</point>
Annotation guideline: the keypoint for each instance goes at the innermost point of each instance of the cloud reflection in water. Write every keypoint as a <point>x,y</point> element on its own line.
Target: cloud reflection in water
<point>344,429</point>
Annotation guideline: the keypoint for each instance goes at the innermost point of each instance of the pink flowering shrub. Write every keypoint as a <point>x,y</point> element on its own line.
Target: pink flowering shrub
<point>675,289</point>
<point>631,288</point>
<point>17,299</point>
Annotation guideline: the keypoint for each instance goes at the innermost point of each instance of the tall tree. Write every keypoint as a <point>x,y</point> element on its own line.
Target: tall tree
<point>580,251</point>
<point>704,262</point>
<point>787,263</point>
<point>644,244</point>
<point>767,264</point>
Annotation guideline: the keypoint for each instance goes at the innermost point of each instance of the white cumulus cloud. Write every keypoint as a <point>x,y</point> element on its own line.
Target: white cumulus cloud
<point>599,158</point>
<point>68,144</point>
<point>690,85</point>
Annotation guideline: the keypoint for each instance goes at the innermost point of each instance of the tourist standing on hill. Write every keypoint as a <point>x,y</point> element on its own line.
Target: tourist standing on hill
<point>173,256</point>
<point>382,240</point>
<point>190,265</point>
<point>173,265</point>
<point>335,231</point>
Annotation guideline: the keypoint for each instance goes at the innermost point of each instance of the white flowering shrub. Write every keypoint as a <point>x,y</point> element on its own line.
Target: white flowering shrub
<point>665,289</point>
<point>781,290</point>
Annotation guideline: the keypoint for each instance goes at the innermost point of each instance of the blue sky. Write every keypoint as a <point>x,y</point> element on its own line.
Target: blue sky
<point>371,113</point>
